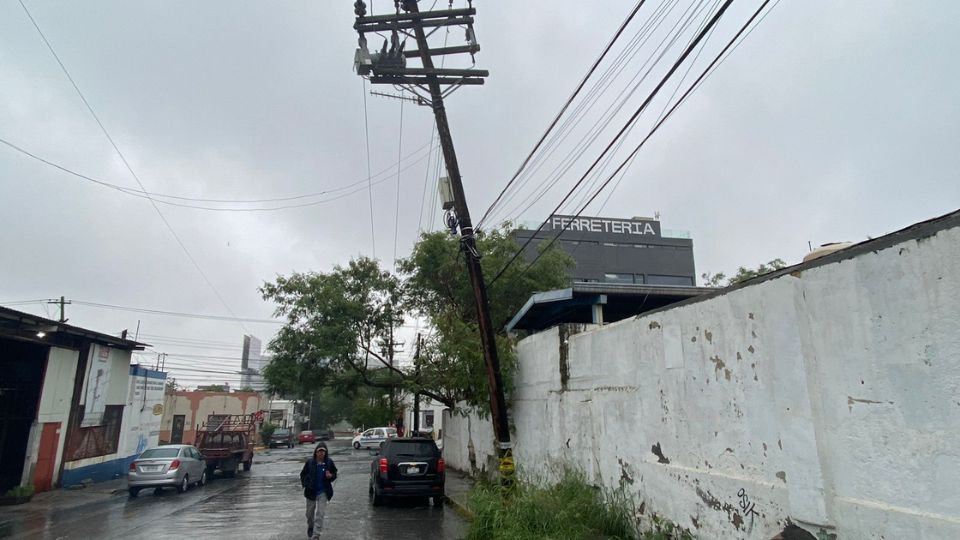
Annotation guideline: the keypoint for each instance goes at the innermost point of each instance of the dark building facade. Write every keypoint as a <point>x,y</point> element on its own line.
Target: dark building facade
<point>615,250</point>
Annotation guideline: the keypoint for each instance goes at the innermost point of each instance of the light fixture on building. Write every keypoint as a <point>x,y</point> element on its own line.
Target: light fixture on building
<point>44,330</point>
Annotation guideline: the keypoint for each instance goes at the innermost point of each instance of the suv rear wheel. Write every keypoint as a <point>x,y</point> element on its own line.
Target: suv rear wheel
<point>375,497</point>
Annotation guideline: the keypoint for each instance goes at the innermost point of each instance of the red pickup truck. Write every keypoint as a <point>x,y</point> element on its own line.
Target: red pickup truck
<point>226,442</point>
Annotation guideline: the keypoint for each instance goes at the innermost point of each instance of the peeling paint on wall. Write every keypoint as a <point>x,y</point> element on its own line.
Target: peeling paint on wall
<point>659,453</point>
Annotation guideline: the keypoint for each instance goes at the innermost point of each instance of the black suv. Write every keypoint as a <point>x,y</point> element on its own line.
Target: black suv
<point>282,437</point>
<point>407,467</point>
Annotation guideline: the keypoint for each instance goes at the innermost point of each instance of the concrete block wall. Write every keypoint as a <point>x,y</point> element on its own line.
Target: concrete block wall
<point>827,394</point>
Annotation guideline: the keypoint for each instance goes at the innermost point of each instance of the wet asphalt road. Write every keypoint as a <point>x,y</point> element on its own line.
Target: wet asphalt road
<point>264,503</point>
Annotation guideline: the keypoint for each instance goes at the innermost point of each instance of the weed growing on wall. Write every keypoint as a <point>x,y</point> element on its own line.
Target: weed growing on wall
<point>569,509</point>
<point>666,530</point>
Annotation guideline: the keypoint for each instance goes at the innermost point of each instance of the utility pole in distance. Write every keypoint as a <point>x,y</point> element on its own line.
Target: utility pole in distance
<point>388,66</point>
<point>63,302</point>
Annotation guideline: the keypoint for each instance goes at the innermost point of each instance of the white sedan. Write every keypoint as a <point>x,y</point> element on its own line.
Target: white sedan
<point>373,437</point>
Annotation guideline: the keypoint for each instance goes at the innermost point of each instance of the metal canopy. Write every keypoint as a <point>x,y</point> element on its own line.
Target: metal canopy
<point>576,304</point>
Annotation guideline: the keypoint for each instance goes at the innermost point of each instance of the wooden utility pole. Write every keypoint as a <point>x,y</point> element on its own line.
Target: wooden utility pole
<point>388,66</point>
<point>416,395</point>
<point>63,302</point>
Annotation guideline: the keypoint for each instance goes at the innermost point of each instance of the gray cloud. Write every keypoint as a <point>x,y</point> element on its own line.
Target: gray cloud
<point>834,121</point>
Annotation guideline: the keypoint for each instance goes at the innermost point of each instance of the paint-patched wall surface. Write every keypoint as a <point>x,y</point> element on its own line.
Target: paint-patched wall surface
<point>196,406</point>
<point>829,395</point>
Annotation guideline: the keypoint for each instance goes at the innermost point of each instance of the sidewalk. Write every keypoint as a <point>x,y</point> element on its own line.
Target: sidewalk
<point>457,488</point>
<point>62,499</point>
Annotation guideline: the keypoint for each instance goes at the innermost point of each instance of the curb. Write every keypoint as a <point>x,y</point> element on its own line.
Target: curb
<point>460,508</point>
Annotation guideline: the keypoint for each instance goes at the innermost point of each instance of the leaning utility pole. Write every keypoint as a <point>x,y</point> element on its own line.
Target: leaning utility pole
<point>388,66</point>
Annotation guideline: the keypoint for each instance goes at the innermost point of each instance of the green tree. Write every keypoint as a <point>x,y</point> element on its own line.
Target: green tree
<point>743,273</point>
<point>437,288</point>
<point>340,325</point>
<point>370,406</point>
<point>328,407</point>
<point>339,329</point>
<point>266,431</point>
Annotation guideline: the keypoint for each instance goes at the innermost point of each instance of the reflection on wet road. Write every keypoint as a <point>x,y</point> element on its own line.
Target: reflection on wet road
<point>264,503</point>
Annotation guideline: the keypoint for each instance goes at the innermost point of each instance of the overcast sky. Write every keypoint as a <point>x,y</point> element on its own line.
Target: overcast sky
<point>833,121</point>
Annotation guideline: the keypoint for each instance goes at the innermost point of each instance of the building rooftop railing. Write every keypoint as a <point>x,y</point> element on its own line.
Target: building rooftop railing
<point>674,233</point>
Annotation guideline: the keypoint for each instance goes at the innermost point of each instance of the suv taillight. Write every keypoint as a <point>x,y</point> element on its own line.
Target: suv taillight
<point>383,465</point>
<point>133,466</point>
<point>175,464</point>
<point>441,466</point>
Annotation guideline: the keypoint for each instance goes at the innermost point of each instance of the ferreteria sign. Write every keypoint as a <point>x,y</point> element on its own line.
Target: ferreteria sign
<point>638,227</point>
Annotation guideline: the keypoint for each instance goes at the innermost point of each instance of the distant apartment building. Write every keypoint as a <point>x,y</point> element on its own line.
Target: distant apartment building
<point>618,250</point>
<point>252,363</point>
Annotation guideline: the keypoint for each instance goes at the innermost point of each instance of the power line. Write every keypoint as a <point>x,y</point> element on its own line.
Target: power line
<point>207,342</point>
<point>233,318</point>
<point>706,72</point>
<point>599,174</point>
<point>180,344</point>
<point>427,181</point>
<point>666,106</point>
<point>366,135</point>
<point>563,109</point>
<point>639,39</point>
<point>614,108</point>
<point>205,356</point>
<point>127,164</point>
<point>716,17</point>
<point>396,219</point>
<point>145,195</point>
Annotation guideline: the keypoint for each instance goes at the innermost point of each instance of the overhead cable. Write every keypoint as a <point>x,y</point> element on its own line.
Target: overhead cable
<point>366,135</point>
<point>589,100</point>
<point>615,107</point>
<point>706,72</point>
<point>626,126</point>
<point>127,165</point>
<point>144,195</point>
<point>563,109</point>
<point>232,318</point>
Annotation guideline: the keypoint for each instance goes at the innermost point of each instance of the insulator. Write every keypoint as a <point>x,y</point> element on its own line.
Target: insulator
<point>360,8</point>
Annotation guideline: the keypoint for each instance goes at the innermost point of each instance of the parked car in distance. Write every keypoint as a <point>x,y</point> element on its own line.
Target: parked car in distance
<point>324,434</point>
<point>282,437</point>
<point>372,437</point>
<point>407,467</point>
<point>174,465</point>
<point>307,436</point>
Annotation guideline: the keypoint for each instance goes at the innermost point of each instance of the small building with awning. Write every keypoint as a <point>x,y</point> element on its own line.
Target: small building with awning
<point>72,408</point>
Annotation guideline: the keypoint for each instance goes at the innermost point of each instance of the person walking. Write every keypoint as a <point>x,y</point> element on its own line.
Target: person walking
<point>317,477</point>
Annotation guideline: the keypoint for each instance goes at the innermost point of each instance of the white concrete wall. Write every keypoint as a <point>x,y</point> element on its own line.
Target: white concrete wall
<point>829,396</point>
<point>468,443</point>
